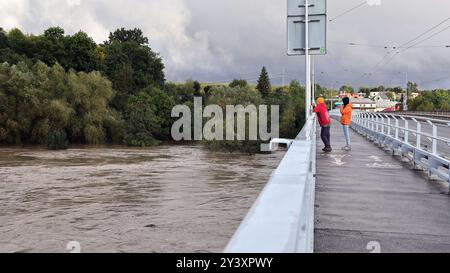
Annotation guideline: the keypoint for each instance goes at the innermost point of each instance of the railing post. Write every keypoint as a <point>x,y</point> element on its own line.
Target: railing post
<point>389,126</point>
<point>434,141</point>
<point>377,121</point>
<point>396,128</point>
<point>406,131</point>
<point>418,135</point>
<point>433,137</point>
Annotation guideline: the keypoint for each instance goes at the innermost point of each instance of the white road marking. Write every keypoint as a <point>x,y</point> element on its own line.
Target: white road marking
<point>338,159</point>
<point>376,158</point>
<point>377,165</point>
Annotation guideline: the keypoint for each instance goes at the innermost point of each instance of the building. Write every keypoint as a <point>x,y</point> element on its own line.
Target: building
<point>381,97</point>
<point>414,95</point>
<point>383,102</point>
<point>373,94</point>
<point>363,104</point>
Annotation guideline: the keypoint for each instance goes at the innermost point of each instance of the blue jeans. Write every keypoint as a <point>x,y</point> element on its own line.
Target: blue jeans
<point>347,134</point>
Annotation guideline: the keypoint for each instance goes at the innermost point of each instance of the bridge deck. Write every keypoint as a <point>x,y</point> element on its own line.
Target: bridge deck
<point>367,195</point>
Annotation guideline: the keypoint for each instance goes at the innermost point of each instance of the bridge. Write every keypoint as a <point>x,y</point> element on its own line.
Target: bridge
<point>389,194</point>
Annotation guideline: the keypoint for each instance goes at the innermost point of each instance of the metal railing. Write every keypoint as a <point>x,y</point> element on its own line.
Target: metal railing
<point>395,133</point>
<point>431,114</point>
<point>282,218</point>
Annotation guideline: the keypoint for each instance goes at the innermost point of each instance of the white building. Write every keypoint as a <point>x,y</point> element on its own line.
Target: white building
<point>383,102</point>
<point>363,104</point>
<point>381,97</point>
<point>373,94</point>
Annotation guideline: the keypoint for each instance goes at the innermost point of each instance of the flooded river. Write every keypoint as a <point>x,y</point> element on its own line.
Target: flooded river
<point>115,199</point>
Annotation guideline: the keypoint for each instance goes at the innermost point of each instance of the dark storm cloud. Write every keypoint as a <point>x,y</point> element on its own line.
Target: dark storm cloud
<point>217,40</point>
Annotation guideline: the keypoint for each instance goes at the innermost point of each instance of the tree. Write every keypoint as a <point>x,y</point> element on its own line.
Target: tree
<point>347,89</point>
<point>162,103</point>
<point>81,53</point>
<point>238,83</point>
<point>197,88</point>
<point>131,65</point>
<point>391,96</point>
<point>365,91</point>
<point>245,96</point>
<point>141,121</point>
<point>293,117</point>
<point>123,35</point>
<point>47,105</point>
<point>264,86</point>
<point>412,88</point>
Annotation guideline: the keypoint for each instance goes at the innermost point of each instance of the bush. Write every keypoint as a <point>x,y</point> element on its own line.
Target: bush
<point>57,140</point>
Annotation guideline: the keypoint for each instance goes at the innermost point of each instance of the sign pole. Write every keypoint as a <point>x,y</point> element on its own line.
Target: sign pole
<point>313,65</point>
<point>405,98</point>
<point>307,66</point>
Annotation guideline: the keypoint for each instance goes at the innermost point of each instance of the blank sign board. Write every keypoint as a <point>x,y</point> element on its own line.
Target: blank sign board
<point>297,7</point>
<point>317,35</point>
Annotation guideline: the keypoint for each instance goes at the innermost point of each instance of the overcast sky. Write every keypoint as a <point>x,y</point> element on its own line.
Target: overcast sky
<point>218,40</point>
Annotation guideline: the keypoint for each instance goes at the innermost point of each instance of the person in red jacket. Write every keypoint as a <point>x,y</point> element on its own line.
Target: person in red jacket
<point>325,123</point>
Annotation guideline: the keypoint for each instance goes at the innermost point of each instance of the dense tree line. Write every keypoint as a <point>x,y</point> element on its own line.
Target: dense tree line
<point>47,105</point>
<point>57,89</point>
<point>437,100</point>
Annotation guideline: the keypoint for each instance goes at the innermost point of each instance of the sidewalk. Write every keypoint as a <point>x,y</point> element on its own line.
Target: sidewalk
<point>367,195</point>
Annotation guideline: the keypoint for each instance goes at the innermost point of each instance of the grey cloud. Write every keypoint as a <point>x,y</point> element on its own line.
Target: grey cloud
<point>215,40</point>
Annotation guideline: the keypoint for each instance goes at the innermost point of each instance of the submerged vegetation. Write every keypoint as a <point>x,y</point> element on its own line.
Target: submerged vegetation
<point>57,89</point>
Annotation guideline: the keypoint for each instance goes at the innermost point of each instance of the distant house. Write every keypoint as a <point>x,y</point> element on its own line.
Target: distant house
<point>381,96</point>
<point>363,104</point>
<point>383,102</point>
<point>373,94</point>
<point>414,95</point>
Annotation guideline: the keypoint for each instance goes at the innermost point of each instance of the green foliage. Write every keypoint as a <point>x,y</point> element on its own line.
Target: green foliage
<point>238,83</point>
<point>131,65</point>
<point>46,105</point>
<point>123,35</point>
<point>348,89</point>
<point>293,117</point>
<point>57,140</point>
<point>391,95</point>
<point>365,90</point>
<point>412,87</point>
<point>77,52</point>
<point>264,86</point>
<point>437,100</point>
<point>141,121</point>
<point>244,96</point>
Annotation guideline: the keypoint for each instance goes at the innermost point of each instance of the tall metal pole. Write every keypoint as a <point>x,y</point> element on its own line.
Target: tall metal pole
<point>405,98</point>
<point>313,65</point>
<point>307,66</point>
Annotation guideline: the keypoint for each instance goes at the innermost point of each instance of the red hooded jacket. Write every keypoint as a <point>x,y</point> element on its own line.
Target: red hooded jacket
<point>322,114</point>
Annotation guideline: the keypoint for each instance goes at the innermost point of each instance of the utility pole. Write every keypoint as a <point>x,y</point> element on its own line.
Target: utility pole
<point>283,76</point>
<point>405,97</point>
<point>307,66</point>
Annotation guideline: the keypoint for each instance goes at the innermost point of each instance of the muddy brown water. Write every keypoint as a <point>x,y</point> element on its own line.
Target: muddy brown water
<point>115,199</point>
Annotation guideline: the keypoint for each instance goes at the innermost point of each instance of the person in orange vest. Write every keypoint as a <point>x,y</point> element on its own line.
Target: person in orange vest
<point>324,122</point>
<point>346,121</point>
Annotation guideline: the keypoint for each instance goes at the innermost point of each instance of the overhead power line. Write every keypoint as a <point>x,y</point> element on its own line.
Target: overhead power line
<point>363,3</point>
<point>405,45</point>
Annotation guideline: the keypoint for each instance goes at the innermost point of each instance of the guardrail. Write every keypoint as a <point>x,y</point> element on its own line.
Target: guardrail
<point>282,218</point>
<point>431,114</point>
<point>386,130</point>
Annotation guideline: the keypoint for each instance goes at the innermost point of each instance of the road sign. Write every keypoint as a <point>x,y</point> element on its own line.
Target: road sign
<point>297,7</point>
<point>317,26</point>
<point>317,35</point>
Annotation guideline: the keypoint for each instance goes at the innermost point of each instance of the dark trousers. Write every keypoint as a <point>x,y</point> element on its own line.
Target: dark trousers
<point>325,135</point>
